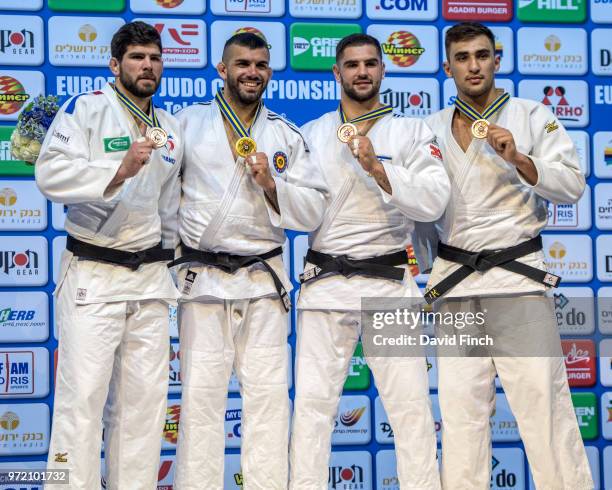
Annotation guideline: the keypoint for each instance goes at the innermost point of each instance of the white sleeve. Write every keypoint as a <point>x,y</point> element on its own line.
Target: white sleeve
<point>560,179</point>
<point>419,183</point>
<point>302,193</point>
<point>65,171</point>
<point>169,200</point>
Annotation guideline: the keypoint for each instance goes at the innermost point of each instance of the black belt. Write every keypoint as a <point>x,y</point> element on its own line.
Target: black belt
<point>230,263</point>
<point>381,266</point>
<point>133,260</point>
<point>487,259</point>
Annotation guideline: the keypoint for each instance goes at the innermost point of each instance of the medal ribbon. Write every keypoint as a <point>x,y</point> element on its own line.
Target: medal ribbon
<point>151,121</point>
<point>376,113</point>
<point>495,106</point>
<point>233,118</point>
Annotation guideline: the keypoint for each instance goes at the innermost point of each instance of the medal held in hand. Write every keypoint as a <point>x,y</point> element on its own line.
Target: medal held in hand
<point>245,144</point>
<point>154,132</point>
<point>348,129</point>
<point>480,126</point>
<point>158,136</point>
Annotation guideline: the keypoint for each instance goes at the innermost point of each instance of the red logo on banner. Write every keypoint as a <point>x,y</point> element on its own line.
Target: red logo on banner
<point>492,10</point>
<point>579,361</point>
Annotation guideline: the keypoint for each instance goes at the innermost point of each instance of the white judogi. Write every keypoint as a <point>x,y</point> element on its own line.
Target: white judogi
<point>237,319</point>
<point>112,321</point>
<point>364,221</point>
<point>492,207</point>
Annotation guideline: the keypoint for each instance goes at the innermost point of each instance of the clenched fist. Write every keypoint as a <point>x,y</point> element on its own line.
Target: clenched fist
<point>259,168</point>
<point>137,155</point>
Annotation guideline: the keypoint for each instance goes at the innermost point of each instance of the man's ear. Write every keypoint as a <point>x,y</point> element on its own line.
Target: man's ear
<point>447,69</point>
<point>336,72</point>
<point>113,64</point>
<point>222,70</point>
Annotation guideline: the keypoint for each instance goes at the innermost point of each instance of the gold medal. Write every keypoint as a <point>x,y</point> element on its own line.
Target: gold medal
<point>480,128</point>
<point>158,136</point>
<point>346,131</point>
<point>245,146</point>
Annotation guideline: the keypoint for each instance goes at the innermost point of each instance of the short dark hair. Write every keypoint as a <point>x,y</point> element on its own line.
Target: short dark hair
<point>134,33</point>
<point>466,31</point>
<point>249,40</point>
<point>358,39</point>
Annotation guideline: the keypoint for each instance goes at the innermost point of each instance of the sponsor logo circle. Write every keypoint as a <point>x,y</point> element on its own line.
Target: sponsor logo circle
<point>168,4</point>
<point>252,30</point>
<point>552,43</point>
<point>20,259</point>
<point>557,250</point>
<point>9,421</point>
<point>87,33</point>
<point>403,48</point>
<point>12,95</point>
<point>8,197</point>
<point>16,38</point>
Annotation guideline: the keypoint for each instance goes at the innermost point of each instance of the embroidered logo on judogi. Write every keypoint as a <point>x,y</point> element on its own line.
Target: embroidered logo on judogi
<point>190,278</point>
<point>435,151</point>
<point>551,126</point>
<point>280,161</point>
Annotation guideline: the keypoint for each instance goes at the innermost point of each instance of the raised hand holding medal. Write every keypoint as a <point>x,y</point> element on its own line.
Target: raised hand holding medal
<point>480,126</point>
<point>154,132</point>
<point>359,144</point>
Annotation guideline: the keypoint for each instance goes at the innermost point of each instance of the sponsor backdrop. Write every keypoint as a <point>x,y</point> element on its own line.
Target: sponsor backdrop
<point>554,51</point>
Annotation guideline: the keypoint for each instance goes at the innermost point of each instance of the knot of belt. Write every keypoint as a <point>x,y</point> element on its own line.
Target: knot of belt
<point>381,266</point>
<point>230,263</point>
<point>487,259</point>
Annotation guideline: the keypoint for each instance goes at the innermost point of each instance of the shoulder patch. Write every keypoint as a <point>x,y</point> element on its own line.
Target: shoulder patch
<point>551,126</point>
<point>280,161</point>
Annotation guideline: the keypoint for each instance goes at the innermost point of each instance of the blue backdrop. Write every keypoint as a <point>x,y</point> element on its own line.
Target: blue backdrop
<point>554,51</point>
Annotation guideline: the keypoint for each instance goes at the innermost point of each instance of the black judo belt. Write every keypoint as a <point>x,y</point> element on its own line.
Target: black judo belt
<point>382,266</point>
<point>487,259</point>
<point>133,260</point>
<point>230,263</point>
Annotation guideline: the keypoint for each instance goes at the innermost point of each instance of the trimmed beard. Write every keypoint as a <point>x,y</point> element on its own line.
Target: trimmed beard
<point>132,86</point>
<point>233,86</point>
<point>354,95</point>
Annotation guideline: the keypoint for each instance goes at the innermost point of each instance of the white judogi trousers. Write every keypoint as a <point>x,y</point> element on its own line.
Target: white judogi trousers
<point>326,341</point>
<point>537,391</point>
<point>251,336</point>
<point>123,345</point>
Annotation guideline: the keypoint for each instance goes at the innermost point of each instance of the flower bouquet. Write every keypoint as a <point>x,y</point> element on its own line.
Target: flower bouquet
<point>32,126</point>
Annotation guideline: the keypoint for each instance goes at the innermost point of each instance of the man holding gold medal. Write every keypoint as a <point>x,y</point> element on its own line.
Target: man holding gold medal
<point>246,176</point>
<point>114,159</point>
<point>506,157</point>
<point>383,172</point>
